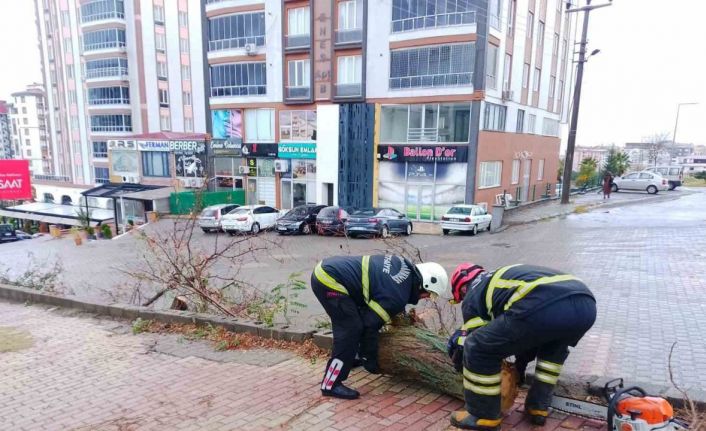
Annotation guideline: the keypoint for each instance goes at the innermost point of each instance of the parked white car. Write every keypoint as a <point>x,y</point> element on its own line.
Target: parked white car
<point>250,218</point>
<point>210,218</point>
<point>648,181</point>
<point>469,218</point>
<point>673,174</point>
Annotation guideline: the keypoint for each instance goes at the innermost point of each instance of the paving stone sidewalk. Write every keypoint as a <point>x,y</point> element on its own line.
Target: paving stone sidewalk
<point>75,372</point>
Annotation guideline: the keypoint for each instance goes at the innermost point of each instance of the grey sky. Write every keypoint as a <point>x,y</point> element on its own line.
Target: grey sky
<point>652,57</point>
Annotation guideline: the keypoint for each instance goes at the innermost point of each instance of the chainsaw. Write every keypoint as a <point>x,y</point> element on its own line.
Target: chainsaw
<point>628,409</point>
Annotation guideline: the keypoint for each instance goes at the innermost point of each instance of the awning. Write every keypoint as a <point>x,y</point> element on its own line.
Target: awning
<point>113,190</point>
<point>47,214</point>
<point>151,195</point>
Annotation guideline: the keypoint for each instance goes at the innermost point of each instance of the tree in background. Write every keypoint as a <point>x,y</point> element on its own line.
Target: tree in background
<point>617,162</point>
<point>560,170</point>
<point>588,172</point>
<point>657,145</point>
<point>700,175</point>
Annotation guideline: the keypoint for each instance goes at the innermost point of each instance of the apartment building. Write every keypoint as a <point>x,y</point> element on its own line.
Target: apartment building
<point>30,136</point>
<point>116,70</point>
<point>7,148</point>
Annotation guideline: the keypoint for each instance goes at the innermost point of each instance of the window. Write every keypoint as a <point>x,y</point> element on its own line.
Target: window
<point>561,89</point>
<point>74,122</point>
<point>298,21</point>
<point>29,152</point>
<point>26,132</point>
<point>536,79</point>
<point>520,126</point>
<point>188,124</point>
<point>68,47</point>
<point>414,15</point>
<point>511,17</point>
<point>299,79</point>
<point>103,39</point>
<point>95,10</point>
<point>186,98</point>
<point>494,117</point>
<point>158,14</point>
<point>515,171</point>
<point>160,42</point>
<point>297,125</point>
<point>161,69</point>
<point>155,163</point>
<point>183,45</point>
<point>240,79</point>
<point>350,15</point>
<point>111,123</point>
<point>163,98</point>
<point>186,72</point>
<point>101,175</point>
<point>24,110</point>
<point>507,72</point>
<point>490,173</point>
<point>65,18</point>
<point>108,96</point>
<point>259,125</point>
<point>183,19</point>
<point>348,81</point>
<point>100,149</point>
<point>70,72</point>
<point>106,67</point>
<point>491,69</point>
<point>552,84</point>
<point>72,97</point>
<point>235,31</point>
<point>540,170</point>
<point>540,33</point>
<point>25,121</point>
<point>555,46</point>
<point>431,122</point>
<point>432,66</point>
<point>550,127</point>
<point>531,120</point>
<point>525,75</point>
<point>494,13</point>
<point>530,25</point>
<point>165,121</point>
<point>28,142</point>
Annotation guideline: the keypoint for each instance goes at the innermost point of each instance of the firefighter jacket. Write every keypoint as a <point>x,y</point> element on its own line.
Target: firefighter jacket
<point>518,290</point>
<point>383,283</point>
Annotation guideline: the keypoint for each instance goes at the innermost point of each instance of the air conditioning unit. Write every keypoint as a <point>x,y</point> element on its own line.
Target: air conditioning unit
<point>243,170</point>
<point>281,165</point>
<point>508,94</point>
<point>131,179</point>
<point>250,49</point>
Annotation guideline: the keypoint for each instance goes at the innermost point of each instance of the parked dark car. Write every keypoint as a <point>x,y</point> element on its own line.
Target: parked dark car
<point>23,235</point>
<point>7,233</point>
<point>301,219</point>
<point>378,221</point>
<point>331,221</point>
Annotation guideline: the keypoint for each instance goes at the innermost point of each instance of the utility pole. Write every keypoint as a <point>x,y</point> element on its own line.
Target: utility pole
<point>571,144</point>
<point>676,123</point>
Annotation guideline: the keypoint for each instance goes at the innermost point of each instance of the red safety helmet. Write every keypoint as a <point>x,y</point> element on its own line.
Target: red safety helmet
<point>461,277</point>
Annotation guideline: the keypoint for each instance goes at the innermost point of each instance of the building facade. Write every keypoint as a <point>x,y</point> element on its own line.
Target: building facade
<point>117,68</point>
<point>599,154</point>
<point>7,146</point>
<point>30,135</point>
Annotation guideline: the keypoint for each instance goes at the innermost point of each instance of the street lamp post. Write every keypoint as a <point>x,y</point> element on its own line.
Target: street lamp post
<point>676,123</point>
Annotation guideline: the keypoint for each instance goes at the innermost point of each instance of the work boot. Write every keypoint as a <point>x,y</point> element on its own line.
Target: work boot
<point>538,417</point>
<point>341,391</point>
<point>464,420</point>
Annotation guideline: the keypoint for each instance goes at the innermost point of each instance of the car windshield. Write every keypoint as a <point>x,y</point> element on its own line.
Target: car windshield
<point>209,212</point>
<point>297,212</point>
<point>366,212</point>
<point>5,228</point>
<point>240,211</point>
<point>328,212</point>
<point>460,210</point>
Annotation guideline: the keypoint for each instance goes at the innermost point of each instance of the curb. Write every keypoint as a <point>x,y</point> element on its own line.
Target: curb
<point>19,294</point>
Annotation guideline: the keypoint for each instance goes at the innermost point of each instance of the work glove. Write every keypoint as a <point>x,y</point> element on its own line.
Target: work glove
<point>454,348</point>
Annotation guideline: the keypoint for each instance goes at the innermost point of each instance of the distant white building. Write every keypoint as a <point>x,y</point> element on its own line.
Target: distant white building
<point>29,129</point>
<point>693,163</point>
<point>600,154</point>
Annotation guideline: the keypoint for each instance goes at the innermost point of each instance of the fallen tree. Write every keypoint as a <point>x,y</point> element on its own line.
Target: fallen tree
<point>413,353</point>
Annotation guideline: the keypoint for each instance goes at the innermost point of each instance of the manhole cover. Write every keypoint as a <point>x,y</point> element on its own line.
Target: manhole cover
<point>13,339</point>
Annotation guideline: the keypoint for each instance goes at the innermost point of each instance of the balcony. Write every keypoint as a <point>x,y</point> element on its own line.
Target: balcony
<point>298,93</point>
<point>101,16</point>
<point>59,178</point>
<point>212,5</point>
<point>107,72</point>
<point>109,102</point>
<point>298,41</point>
<point>236,43</point>
<point>100,155</point>
<point>112,128</point>
<point>431,81</point>
<point>349,90</point>
<point>433,21</point>
<point>423,134</point>
<point>349,36</point>
<point>104,46</point>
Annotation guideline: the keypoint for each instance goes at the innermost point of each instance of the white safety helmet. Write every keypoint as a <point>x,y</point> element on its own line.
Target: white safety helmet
<point>434,279</point>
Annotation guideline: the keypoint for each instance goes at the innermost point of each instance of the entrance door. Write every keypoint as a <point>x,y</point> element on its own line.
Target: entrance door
<point>526,171</point>
<point>286,194</point>
<point>252,191</point>
<point>419,202</point>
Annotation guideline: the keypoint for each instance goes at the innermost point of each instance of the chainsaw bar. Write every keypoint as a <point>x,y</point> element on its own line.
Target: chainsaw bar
<point>582,409</point>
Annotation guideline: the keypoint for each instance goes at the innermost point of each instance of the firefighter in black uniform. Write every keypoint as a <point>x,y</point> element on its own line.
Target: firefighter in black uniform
<point>522,310</point>
<point>361,294</point>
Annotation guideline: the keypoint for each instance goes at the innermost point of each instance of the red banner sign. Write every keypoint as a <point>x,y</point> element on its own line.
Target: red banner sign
<point>14,180</point>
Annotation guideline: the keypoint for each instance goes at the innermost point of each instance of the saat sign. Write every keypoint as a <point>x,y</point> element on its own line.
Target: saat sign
<point>14,180</point>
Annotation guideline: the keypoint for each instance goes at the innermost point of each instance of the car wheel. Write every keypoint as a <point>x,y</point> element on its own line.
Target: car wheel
<point>614,188</point>
<point>385,232</point>
<point>255,229</point>
<point>652,190</point>
<point>231,233</point>
<point>445,231</point>
<point>408,231</point>
<point>205,230</point>
<point>305,228</point>
<point>672,186</point>
<point>475,230</point>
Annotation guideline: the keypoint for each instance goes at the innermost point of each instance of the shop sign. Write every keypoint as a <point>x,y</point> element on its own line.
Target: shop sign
<point>119,144</point>
<point>15,180</point>
<point>260,150</point>
<point>175,146</point>
<point>252,167</point>
<point>297,150</point>
<point>423,153</point>
<point>227,147</point>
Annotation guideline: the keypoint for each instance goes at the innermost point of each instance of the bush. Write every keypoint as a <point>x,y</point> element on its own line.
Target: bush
<point>107,233</point>
<point>91,231</point>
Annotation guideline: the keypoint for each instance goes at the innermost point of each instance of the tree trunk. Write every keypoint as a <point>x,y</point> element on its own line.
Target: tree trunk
<point>415,354</point>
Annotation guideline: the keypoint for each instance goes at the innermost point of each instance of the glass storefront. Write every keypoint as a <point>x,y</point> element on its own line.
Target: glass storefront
<point>299,183</point>
<point>261,185</point>
<point>227,175</point>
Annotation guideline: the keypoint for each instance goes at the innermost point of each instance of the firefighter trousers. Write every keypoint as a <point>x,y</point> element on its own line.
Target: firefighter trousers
<point>347,328</point>
<point>545,334</point>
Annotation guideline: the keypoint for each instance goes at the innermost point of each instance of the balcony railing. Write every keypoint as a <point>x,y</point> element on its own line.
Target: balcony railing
<point>124,128</point>
<point>106,72</point>
<point>102,180</point>
<point>239,90</point>
<point>101,16</point>
<point>345,36</point>
<point>423,134</point>
<point>427,81</point>
<point>433,21</point>
<point>348,90</point>
<point>59,178</point>
<point>109,101</point>
<point>298,92</point>
<point>103,45</point>
<point>235,43</point>
<point>298,41</point>
<point>100,155</point>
